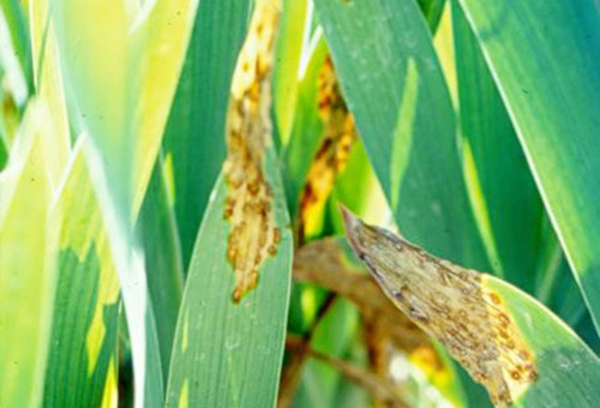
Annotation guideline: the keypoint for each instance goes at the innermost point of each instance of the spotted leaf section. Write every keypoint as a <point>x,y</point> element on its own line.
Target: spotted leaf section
<point>453,305</point>
<point>253,236</point>
<point>333,152</point>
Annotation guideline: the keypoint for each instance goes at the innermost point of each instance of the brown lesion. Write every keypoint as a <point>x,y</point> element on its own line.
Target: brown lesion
<point>451,304</point>
<point>333,152</point>
<point>326,264</point>
<point>253,236</point>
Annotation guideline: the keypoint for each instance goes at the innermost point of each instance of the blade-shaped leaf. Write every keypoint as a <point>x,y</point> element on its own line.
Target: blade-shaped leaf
<point>124,107</point>
<point>504,338</point>
<point>307,129</point>
<point>164,266</point>
<point>296,15</point>
<point>27,273</point>
<point>498,179</point>
<point>229,342</point>
<point>228,354</point>
<point>393,84</point>
<point>50,88</point>
<point>194,145</point>
<point>432,10</point>
<point>84,326</point>
<point>545,59</point>
<point>15,56</point>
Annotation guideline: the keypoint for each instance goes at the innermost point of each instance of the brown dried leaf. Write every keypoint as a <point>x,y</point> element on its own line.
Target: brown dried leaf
<point>451,304</point>
<point>253,236</point>
<point>323,263</point>
<point>383,390</point>
<point>333,153</point>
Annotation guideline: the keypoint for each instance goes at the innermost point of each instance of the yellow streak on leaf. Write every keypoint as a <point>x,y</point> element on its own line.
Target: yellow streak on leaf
<point>451,304</point>
<point>82,227</point>
<point>167,32</point>
<point>110,397</point>
<point>333,153</point>
<point>480,208</point>
<point>186,328</point>
<point>94,339</point>
<point>184,395</point>
<point>444,45</point>
<point>169,177</point>
<point>253,236</point>
<point>403,132</point>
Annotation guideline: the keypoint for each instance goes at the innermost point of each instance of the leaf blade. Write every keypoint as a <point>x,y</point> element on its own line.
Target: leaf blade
<point>520,354</point>
<point>554,109</point>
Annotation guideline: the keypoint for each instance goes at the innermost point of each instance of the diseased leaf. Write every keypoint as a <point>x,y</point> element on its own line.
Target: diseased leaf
<point>329,263</point>
<point>307,128</point>
<point>249,204</point>
<point>474,316</point>
<point>325,264</point>
<point>228,349</point>
<point>332,155</point>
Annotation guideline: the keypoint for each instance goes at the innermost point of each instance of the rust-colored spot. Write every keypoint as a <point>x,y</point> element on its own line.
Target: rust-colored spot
<point>495,298</point>
<point>333,152</point>
<point>474,326</point>
<point>253,236</point>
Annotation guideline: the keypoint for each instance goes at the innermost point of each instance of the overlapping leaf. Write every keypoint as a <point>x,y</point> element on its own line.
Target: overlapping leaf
<point>27,274</point>
<point>516,347</point>
<point>194,145</point>
<point>545,61</point>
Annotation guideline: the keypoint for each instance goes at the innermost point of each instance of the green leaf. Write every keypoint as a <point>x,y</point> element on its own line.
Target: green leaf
<point>568,371</point>
<point>307,128</point>
<point>545,59</point>
<point>3,154</point>
<point>432,10</point>
<point>228,354</point>
<point>498,179</point>
<point>288,56</point>
<point>27,274</point>
<point>85,319</point>
<point>124,107</point>
<point>394,86</point>
<point>164,266</point>
<point>194,144</point>
<point>320,382</point>
<point>84,338</point>
<point>358,189</point>
<point>13,21</point>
